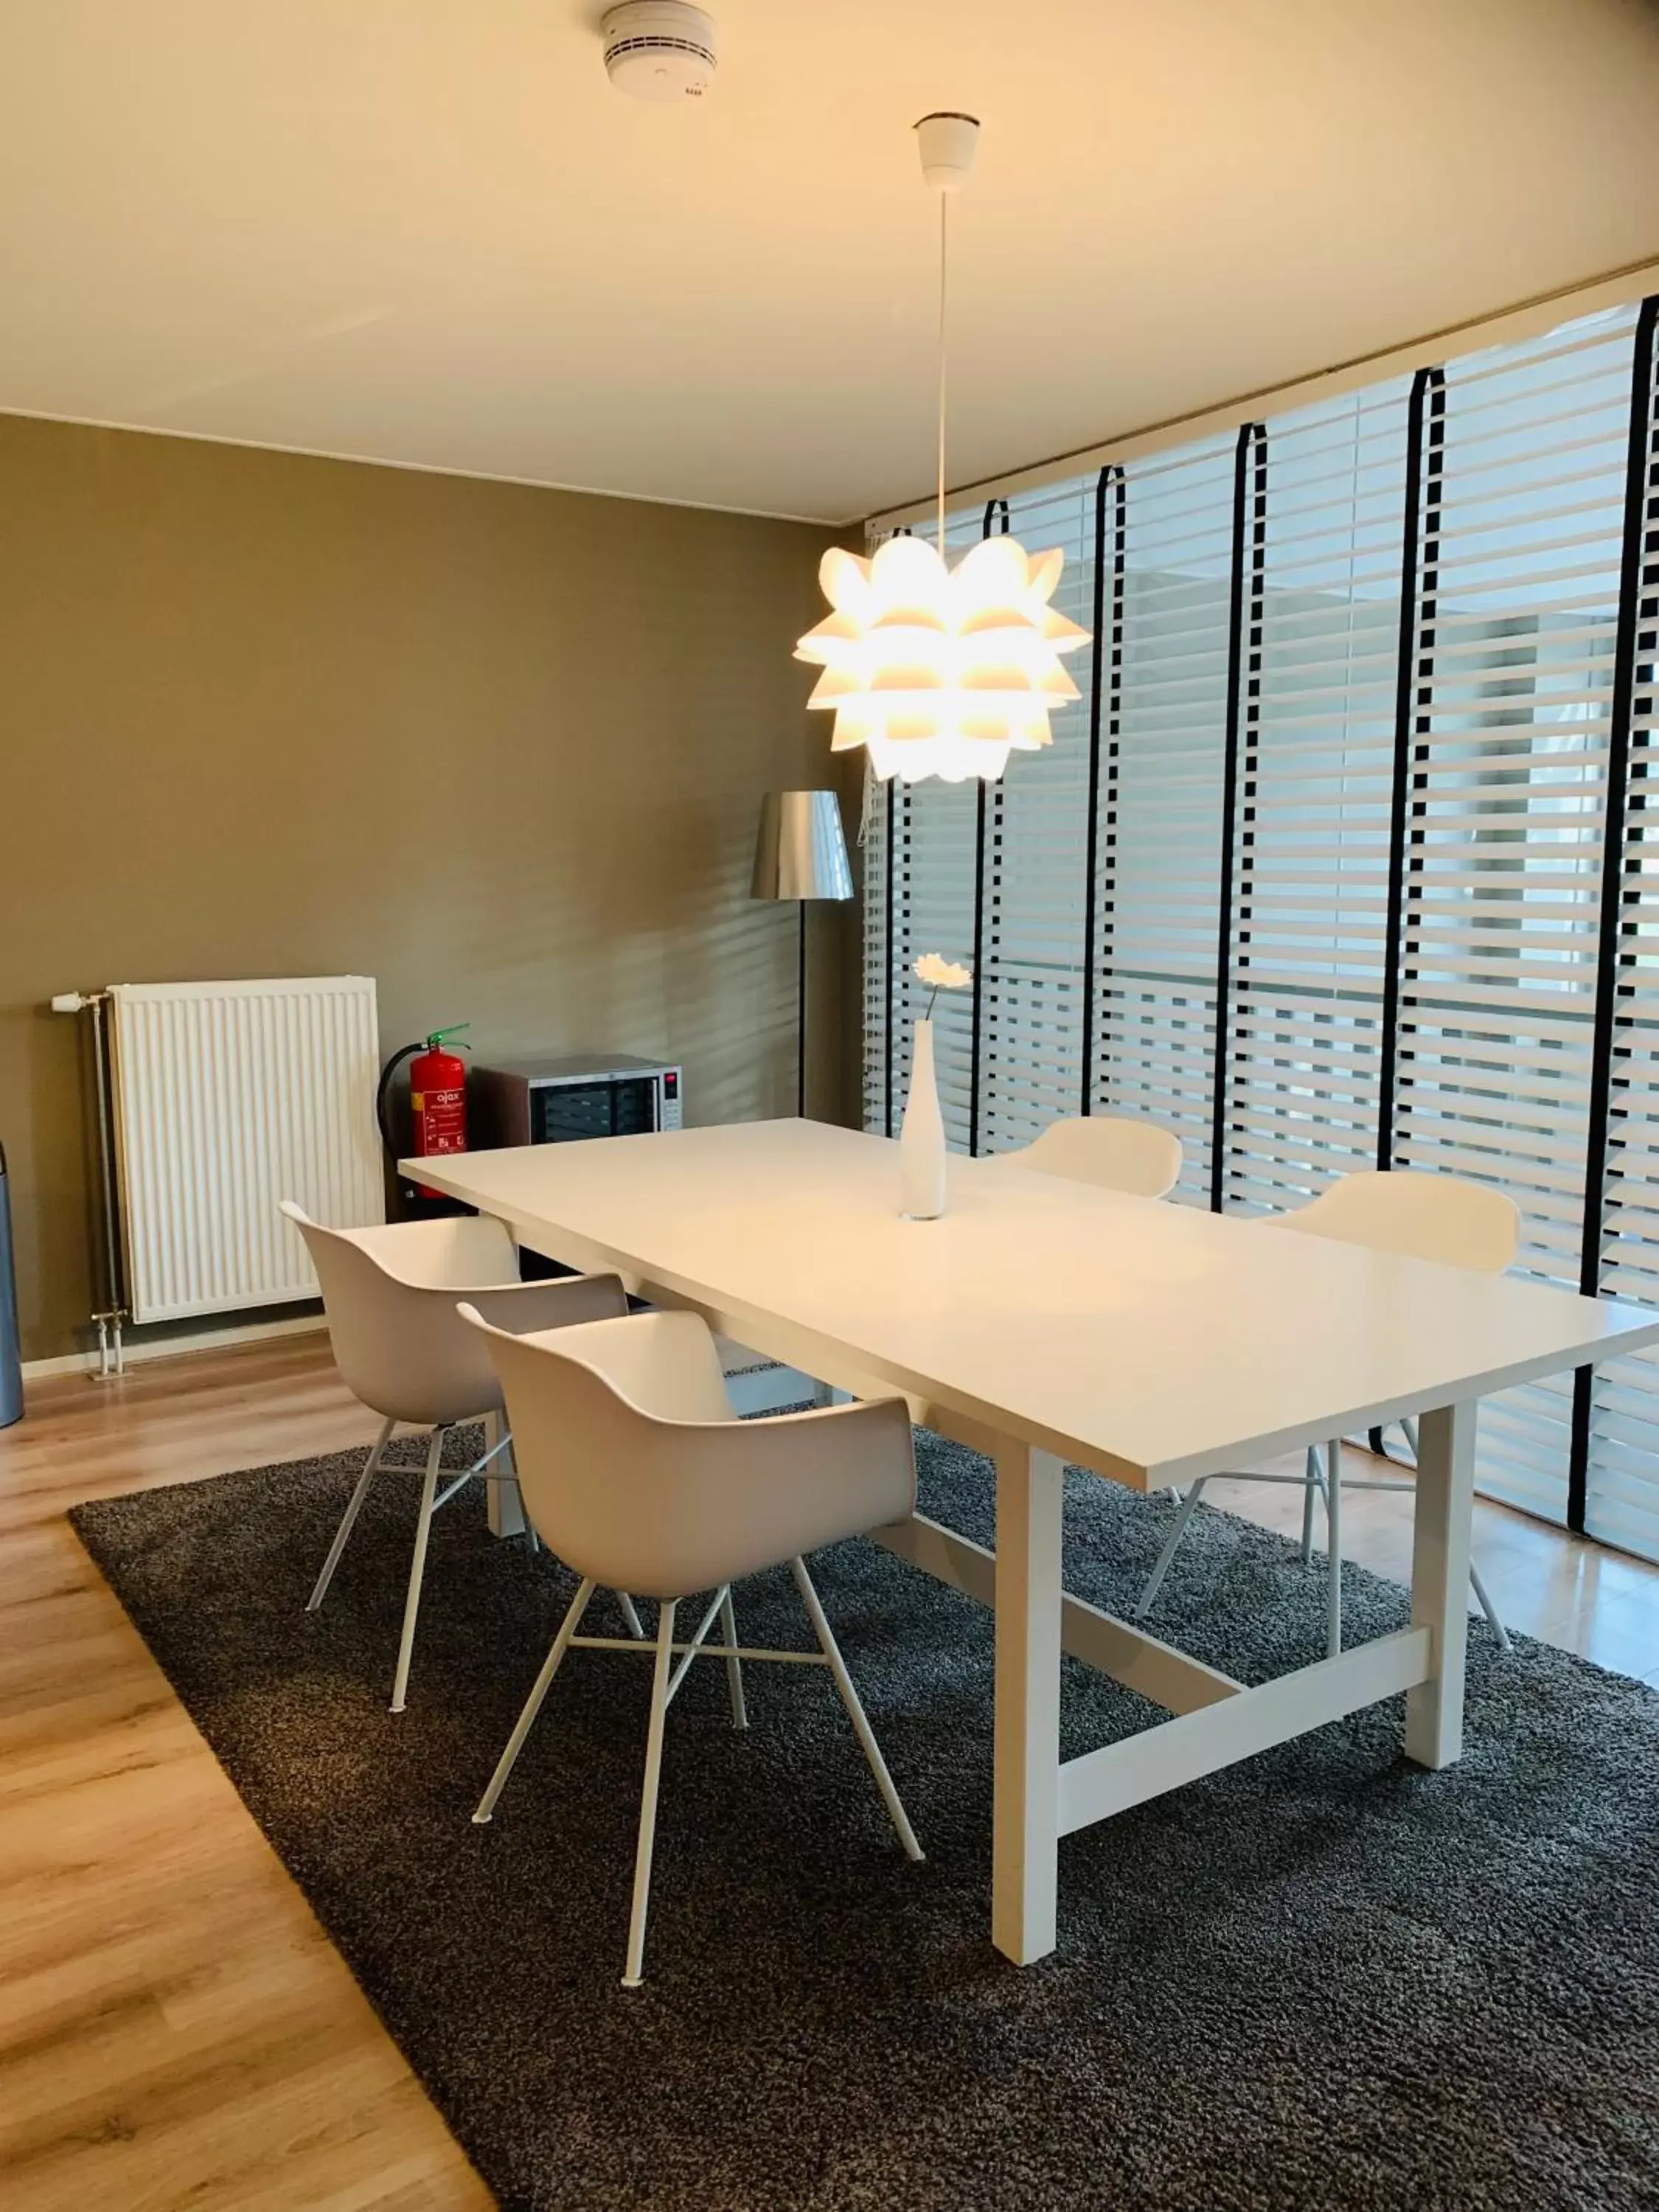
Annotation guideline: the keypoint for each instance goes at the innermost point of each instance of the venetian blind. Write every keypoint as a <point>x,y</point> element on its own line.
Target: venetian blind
<point>1316,745</point>
<point>1318,874</point>
<point>1168,539</point>
<point>1619,1405</point>
<point>1522,538</point>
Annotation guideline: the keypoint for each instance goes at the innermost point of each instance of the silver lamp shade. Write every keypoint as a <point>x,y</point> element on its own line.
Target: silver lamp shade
<point>800,850</point>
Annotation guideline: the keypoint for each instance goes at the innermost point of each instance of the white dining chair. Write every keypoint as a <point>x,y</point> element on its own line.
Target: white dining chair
<point>389,1296</point>
<point>636,1474</point>
<point>1422,1216</point>
<point>1111,1150</point>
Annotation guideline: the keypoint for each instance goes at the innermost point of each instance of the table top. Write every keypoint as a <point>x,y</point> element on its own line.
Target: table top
<point>1148,1341</point>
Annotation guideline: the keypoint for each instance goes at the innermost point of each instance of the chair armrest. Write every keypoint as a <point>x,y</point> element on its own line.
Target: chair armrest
<point>522,1309</point>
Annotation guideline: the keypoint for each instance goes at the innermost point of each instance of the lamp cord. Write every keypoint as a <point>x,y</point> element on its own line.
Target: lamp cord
<point>944,205</point>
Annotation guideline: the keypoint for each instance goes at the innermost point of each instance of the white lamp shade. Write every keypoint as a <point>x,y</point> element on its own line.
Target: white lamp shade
<point>800,852</point>
<point>941,671</point>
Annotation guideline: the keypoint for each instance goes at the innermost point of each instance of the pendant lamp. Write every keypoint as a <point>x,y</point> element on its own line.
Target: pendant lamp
<point>941,671</point>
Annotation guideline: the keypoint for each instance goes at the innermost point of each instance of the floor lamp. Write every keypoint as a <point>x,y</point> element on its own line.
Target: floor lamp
<point>800,853</point>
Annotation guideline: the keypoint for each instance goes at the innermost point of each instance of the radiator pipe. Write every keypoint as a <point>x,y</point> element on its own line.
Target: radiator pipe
<point>107,1322</point>
<point>115,1311</point>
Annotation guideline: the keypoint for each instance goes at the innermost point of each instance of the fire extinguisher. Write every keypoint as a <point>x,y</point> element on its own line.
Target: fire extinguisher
<point>437,1099</point>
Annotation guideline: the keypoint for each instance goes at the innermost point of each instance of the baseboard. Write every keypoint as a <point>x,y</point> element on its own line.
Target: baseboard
<point>758,1385</point>
<point>173,1347</point>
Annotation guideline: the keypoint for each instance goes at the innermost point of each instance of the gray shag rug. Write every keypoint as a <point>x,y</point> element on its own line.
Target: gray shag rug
<point>1324,1979</point>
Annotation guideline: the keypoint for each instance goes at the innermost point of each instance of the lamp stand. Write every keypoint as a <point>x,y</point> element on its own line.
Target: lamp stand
<point>800,854</point>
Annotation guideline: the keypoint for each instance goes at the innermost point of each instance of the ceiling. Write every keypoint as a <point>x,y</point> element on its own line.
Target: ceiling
<point>427,231</point>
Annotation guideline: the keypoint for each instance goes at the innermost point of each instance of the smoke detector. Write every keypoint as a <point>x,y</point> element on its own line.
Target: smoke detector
<point>659,50</point>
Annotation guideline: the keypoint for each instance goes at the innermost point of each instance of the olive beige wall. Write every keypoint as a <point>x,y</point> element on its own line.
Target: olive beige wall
<point>500,748</point>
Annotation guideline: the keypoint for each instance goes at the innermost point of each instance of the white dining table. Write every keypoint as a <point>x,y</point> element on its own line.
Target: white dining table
<point>1047,1323</point>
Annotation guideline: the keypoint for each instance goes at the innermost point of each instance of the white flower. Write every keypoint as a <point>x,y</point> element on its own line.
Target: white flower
<point>944,975</point>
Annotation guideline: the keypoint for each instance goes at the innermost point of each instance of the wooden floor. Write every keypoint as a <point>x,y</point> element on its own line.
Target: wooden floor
<point>175,2028</point>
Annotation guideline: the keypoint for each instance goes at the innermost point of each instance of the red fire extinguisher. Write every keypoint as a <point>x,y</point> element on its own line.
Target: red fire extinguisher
<point>437,1099</point>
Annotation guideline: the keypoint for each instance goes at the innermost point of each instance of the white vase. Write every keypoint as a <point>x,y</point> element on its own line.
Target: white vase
<point>921,1140</point>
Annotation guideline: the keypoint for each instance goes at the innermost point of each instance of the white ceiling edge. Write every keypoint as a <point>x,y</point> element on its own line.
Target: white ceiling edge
<point>1526,318</point>
<point>1502,326</point>
<point>419,468</point>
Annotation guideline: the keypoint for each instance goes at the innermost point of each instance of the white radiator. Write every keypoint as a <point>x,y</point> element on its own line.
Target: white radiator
<point>227,1098</point>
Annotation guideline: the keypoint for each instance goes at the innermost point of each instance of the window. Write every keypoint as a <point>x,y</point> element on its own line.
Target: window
<point>1341,861</point>
<point>1165,684</point>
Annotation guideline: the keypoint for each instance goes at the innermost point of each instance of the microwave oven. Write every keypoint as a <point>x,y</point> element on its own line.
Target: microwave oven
<point>579,1094</point>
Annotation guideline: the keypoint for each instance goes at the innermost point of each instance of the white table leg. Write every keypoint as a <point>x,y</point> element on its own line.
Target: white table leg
<point>506,1506</point>
<point>1025,1835</point>
<point>1440,1580</point>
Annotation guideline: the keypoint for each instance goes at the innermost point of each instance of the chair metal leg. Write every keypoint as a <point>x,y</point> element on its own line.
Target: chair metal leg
<point>416,1570</point>
<point>632,1973</point>
<point>1315,1483</point>
<point>855,1713</point>
<point>533,1704</point>
<point>1155,1580</point>
<point>349,1518</point>
<point>1333,1547</point>
<point>636,1626</point>
<point>733,1665</point>
<point>1489,1609</point>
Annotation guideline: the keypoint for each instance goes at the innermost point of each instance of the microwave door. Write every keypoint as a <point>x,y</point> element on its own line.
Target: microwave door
<point>565,1113</point>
